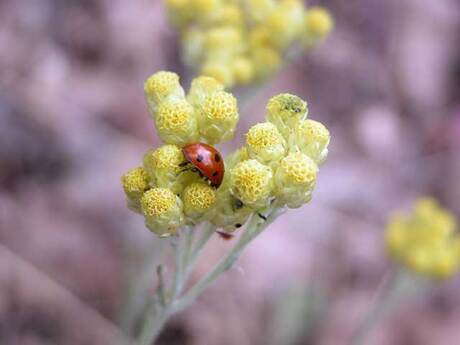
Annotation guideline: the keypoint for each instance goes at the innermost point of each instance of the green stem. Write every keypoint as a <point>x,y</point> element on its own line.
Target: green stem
<point>255,227</point>
<point>395,284</point>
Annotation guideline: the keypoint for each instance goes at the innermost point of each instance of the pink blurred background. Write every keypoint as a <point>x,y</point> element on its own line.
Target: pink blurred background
<point>73,119</point>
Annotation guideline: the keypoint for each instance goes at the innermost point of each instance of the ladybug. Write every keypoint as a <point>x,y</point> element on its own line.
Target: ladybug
<point>206,160</point>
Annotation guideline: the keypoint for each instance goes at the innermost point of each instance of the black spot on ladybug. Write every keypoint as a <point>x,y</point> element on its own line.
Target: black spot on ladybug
<point>199,158</point>
<point>238,225</point>
<point>215,173</point>
<point>217,157</point>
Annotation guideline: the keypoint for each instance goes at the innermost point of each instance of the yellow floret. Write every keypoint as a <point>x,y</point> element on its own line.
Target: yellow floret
<point>227,37</point>
<point>265,142</point>
<point>286,111</point>
<point>135,182</point>
<point>160,86</point>
<point>299,168</point>
<point>312,138</point>
<point>176,123</point>
<point>319,23</point>
<point>243,70</point>
<point>295,179</point>
<point>199,199</point>
<point>220,71</point>
<point>218,116</point>
<point>163,211</point>
<point>158,201</point>
<point>424,240</point>
<point>251,182</point>
<point>202,87</point>
<point>202,7</point>
<point>266,60</point>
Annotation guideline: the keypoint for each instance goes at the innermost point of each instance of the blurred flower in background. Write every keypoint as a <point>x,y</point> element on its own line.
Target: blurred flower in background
<point>241,42</point>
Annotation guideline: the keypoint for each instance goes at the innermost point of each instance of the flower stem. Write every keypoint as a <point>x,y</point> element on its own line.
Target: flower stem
<point>255,227</point>
<point>395,284</point>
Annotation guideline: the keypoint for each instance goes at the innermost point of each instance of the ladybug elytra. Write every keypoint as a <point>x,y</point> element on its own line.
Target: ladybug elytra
<point>206,160</point>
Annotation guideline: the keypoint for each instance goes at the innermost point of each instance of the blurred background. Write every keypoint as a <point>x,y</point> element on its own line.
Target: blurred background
<point>73,120</point>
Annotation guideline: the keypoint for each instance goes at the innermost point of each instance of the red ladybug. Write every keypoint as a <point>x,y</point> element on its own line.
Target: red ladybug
<point>206,160</point>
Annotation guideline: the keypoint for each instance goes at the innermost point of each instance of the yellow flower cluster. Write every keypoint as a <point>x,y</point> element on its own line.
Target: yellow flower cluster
<point>277,166</point>
<point>240,41</point>
<point>424,241</point>
<point>165,190</point>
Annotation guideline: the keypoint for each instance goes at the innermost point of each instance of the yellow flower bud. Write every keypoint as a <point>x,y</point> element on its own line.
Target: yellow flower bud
<point>199,199</point>
<point>445,263</point>
<point>220,71</point>
<point>258,10</point>
<point>286,111</point>
<point>201,88</point>
<point>202,7</point>
<point>193,46</point>
<point>135,182</point>
<point>224,37</point>
<point>176,123</point>
<point>424,240</point>
<point>163,167</point>
<point>226,14</point>
<point>218,117</point>
<point>419,260</point>
<point>260,36</point>
<point>160,86</point>
<point>243,70</point>
<point>295,179</point>
<point>285,22</point>
<point>318,24</point>
<point>312,138</point>
<point>163,211</point>
<point>251,182</point>
<point>265,143</point>
<point>266,60</point>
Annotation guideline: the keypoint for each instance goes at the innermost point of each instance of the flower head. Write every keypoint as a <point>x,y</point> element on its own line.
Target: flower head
<point>286,111</point>
<point>251,182</point>
<point>199,198</point>
<point>295,179</point>
<point>265,143</point>
<point>135,182</point>
<point>217,117</point>
<point>160,86</point>
<point>318,24</point>
<point>201,88</point>
<point>312,138</point>
<point>162,210</point>
<point>424,240</point>
<point>176,123</point>
<point>164,167</point>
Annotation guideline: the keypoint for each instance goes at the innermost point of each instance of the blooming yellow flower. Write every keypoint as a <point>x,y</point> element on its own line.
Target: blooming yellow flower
<point>176,123</point>
<point>295,179</point>
<point>135,182</point>
<point>163,211</point>
<point>251,182</point>
<point>217,117</point>
<point>238,42</point>
<point>424,240</point>
<point>265,143</point>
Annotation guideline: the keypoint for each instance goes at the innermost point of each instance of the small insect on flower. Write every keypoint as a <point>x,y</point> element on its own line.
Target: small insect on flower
<point>207,160</point>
